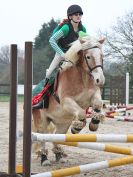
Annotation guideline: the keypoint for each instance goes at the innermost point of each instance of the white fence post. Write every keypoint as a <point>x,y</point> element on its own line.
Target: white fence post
<point>127,89</point>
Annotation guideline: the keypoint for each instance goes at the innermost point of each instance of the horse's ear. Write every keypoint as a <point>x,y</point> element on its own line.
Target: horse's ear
<point>101,41</point>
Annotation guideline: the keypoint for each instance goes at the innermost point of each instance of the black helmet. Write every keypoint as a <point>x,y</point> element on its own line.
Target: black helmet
<point>74,9</point>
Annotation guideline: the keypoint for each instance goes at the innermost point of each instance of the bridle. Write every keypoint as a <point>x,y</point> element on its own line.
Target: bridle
<point>97,66</point>
<point>90,69</point>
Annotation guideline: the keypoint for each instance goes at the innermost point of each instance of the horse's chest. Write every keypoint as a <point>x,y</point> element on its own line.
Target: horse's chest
<point>84,98</point>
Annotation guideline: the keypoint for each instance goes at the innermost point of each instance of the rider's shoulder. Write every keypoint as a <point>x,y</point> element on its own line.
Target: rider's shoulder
<point>64,26</point>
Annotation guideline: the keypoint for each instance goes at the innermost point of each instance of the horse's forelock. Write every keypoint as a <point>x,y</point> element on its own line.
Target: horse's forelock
<point>89,42</point>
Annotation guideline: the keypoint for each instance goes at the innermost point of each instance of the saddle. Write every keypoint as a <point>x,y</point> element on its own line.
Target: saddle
<point>42,91</point>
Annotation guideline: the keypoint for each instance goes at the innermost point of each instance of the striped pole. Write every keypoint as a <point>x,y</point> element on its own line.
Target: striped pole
<point>120,110</point>
<point>119,138</point>
<point>100,147</point>
<point>87,167</point>
<point>121,118</point>
<point>127,119</point>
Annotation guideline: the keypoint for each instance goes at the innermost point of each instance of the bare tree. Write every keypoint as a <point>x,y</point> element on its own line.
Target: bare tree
<point>5,64</point>
<point>120,40</point>
<point>119,46</point>
<point>4,55</point>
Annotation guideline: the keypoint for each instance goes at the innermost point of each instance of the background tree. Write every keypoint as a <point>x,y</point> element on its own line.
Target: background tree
<point>42,51</point>
<point>119,47</point>
<point>5,65</point>
<point>42,39</point>
<point>42,56</point>
<point>118,50</point>
<point>4,55</point>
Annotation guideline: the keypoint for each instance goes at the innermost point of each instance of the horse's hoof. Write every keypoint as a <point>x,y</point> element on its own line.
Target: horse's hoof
<point>94,124</point>
<point>75,130</point>
<point>46,163</point>
<point>78,126</point>
<point>93,127</point>
<point>44,160</point>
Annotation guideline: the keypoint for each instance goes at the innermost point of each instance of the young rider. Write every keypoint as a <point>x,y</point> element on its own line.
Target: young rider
<point>64,34</point>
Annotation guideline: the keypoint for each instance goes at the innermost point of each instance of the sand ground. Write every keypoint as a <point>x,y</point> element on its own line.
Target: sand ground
<point>76,156</point>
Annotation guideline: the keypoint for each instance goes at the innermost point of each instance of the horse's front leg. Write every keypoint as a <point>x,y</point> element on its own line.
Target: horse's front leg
<point>77,112</point>
<point>97,115</point>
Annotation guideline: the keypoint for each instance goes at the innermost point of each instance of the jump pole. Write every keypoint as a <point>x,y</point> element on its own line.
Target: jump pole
<point>117,138</point>
<point>120,110</point>
<point>87,167</point>
<point>12,110</point>
<point>121,118</point>
<point>27,110</point>
<point>100,147</point>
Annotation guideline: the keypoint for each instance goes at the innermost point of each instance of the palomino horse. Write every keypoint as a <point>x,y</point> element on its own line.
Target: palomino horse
<point>79,87</point>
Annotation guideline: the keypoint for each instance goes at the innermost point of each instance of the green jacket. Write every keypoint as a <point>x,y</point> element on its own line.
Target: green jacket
<point>64,35</point>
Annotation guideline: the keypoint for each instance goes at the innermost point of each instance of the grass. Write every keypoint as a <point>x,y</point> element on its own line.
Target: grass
<point>6,98</point>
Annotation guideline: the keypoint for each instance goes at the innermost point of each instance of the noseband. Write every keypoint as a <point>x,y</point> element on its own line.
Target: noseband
<point>97,66</point>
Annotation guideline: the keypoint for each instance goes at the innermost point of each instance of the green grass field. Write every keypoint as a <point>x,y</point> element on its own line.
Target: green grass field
<point>6,98</point>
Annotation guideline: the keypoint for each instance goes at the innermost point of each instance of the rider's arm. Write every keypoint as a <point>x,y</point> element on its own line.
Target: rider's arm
<point>62,32</point>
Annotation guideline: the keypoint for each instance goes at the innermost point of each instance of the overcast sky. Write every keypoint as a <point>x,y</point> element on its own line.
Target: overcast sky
<point>21,20</point>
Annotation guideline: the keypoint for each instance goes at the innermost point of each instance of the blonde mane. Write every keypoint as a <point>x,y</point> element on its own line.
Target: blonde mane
<point>83,43</point>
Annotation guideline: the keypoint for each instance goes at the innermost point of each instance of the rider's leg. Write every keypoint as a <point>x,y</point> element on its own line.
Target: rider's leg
<point>57,59</point>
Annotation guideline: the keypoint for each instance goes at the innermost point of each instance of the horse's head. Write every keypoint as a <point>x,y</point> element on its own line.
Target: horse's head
<point>90,50</point>
<point>93,56</point>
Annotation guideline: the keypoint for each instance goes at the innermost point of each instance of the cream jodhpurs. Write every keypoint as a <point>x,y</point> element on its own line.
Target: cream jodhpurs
<point>57,59</point>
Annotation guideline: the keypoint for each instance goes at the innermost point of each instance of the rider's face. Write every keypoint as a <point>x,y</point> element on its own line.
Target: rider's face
<point>76,17</point>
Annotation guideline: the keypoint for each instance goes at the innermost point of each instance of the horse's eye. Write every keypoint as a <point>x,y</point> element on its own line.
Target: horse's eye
<point>88,57</point>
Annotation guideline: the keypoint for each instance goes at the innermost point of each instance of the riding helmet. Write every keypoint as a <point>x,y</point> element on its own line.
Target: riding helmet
<point>74,9</point>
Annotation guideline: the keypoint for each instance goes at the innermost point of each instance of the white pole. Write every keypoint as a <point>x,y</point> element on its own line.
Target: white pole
<point>127,89</point>
<point>87,167</point>
<point>118,138</point>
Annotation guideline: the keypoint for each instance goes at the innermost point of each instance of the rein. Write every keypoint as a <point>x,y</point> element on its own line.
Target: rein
<point>90,69</point>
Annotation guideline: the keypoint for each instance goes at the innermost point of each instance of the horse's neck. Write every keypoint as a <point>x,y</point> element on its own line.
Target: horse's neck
<point>85,75</point>
<point>74,81</point>
<point>78,73</point>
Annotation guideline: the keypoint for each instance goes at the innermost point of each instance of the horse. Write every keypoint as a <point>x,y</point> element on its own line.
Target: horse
<point>80,82</point>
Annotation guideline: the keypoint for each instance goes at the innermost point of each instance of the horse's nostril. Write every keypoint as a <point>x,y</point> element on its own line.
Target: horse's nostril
<point>97,80</point>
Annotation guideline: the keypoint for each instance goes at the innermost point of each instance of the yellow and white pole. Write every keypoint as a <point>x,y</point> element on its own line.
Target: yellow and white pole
<point>87,167</point>
<point>100,147</point>
<point>119,138</point>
